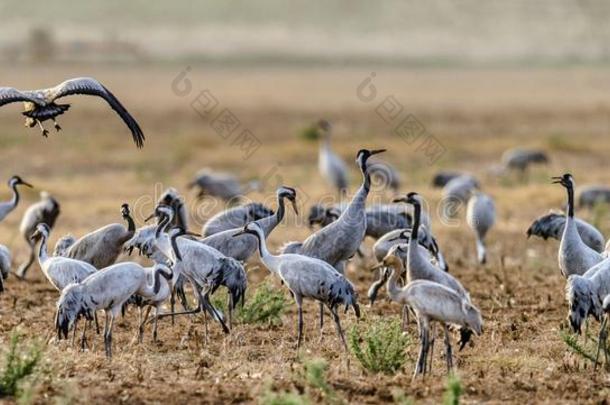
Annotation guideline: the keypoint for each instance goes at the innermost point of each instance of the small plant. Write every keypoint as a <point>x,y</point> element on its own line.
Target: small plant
<point>315,376</point>
<point>19,364</point>
<point>571,341</point>
<point>453,390</point>
<point>400,398</point>
<point>266,306</point>
<point>310,133</point>
<point>600,213</point>
<point>381,349</point>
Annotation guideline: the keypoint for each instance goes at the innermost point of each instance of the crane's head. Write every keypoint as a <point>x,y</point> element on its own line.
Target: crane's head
<point>363,156</point>
<point>16,180</point>
<point>411,198</point>
<point>473,318</point>
<point>164,214</point>
<point>290,194</point>
<point>567,180</point>
<point>581,301</point>
<point>394,256</point>
<point>125,210</point>
<point>42,231</point>
<point>324,126</point>
<point>70,307</point>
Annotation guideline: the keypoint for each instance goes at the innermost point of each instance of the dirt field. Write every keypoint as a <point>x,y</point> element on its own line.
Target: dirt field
<point>92,167</point>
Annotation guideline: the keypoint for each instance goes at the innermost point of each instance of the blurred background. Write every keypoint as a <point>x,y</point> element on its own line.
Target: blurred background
<point>393,32</point>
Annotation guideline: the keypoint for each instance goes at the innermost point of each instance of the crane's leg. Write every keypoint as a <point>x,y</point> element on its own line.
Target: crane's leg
<point>321,321</point>
<point>448,352</point>
<point>106,327</point>
<point>156,324</point>
<point>230,306</point>
<point>172,304</point>
<point>83,338</point>
<point>142,323</point>
<point>601,340</point>
<point>431,339</point>
<point>419,367</point>
<point>56,125</point>
<point>74,332</point>
<point>109,338</point>
<point>299,302</point>
<point>333,311</point>
<point>97,325</point>
<point>45,133</point>
<point>405,317</point>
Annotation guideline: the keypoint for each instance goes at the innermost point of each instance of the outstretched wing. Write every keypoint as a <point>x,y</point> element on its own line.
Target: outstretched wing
<point>91,87</point>
<point>11,95</point>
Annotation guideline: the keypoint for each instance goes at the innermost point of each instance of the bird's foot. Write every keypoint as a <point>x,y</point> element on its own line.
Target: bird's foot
<point>45,133</point>
<point>57,127</point>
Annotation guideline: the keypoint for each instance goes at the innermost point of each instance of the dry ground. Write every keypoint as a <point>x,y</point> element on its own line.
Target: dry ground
<point>92,167</point>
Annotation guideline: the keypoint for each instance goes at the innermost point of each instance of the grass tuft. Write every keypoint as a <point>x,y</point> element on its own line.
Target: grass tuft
<point>453,390</point>
<point>266,306</point>
<point>381,348</point>
<point>19,364</point>
<point>310,133</point>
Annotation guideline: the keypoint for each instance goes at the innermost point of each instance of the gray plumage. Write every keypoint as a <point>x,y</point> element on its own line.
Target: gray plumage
<point>380,218</point>
<point>109,290</point>
<point>102,247</point>
<point>40,106</point>
<point>8,206</point>
<point>44,211</point>
<point>308,277</point>
<point>331,166</point>
<point>589,196</point>
<point>243,247</point>
<point>434,302</point>
<point>456,193</point>
<point>574,256</point>
<point>340,240</point>
<point>63,244</point>
<point>521,159</point>
<point>235,217</point>
<point>552,224</point>
<point>5,265</point>
<point>403,236</point>
<point>585,294</point>
<point>220,185</point>
<point>480,216</point>
<point>60,271</point>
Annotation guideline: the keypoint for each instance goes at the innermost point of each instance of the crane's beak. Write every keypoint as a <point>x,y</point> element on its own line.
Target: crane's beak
<point>556,180</point>
<point>151,216</point>
<point>399,200</point>
<point>195,234</point>
<point>26,184</point>
<point>377,151</point>
<point>294,206</point>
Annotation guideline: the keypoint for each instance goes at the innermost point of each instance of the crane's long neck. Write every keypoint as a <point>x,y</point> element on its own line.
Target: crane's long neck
<point>358,204</point>
<point>131,225</point>
<point>392,285</point>
<point>42,251</point>
<point>267,258</point>
<point>16,197</point>
<point>416,221</point>
<point>269,223</point>
<point>570,202</point>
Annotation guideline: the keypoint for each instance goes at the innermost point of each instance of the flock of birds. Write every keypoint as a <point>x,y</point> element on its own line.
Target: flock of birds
<point>411,265</point>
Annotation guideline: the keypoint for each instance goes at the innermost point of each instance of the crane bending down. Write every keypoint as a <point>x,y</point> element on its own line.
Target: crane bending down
<point>434,302</point>
<point>40,105</point>
<point>307,277</point>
